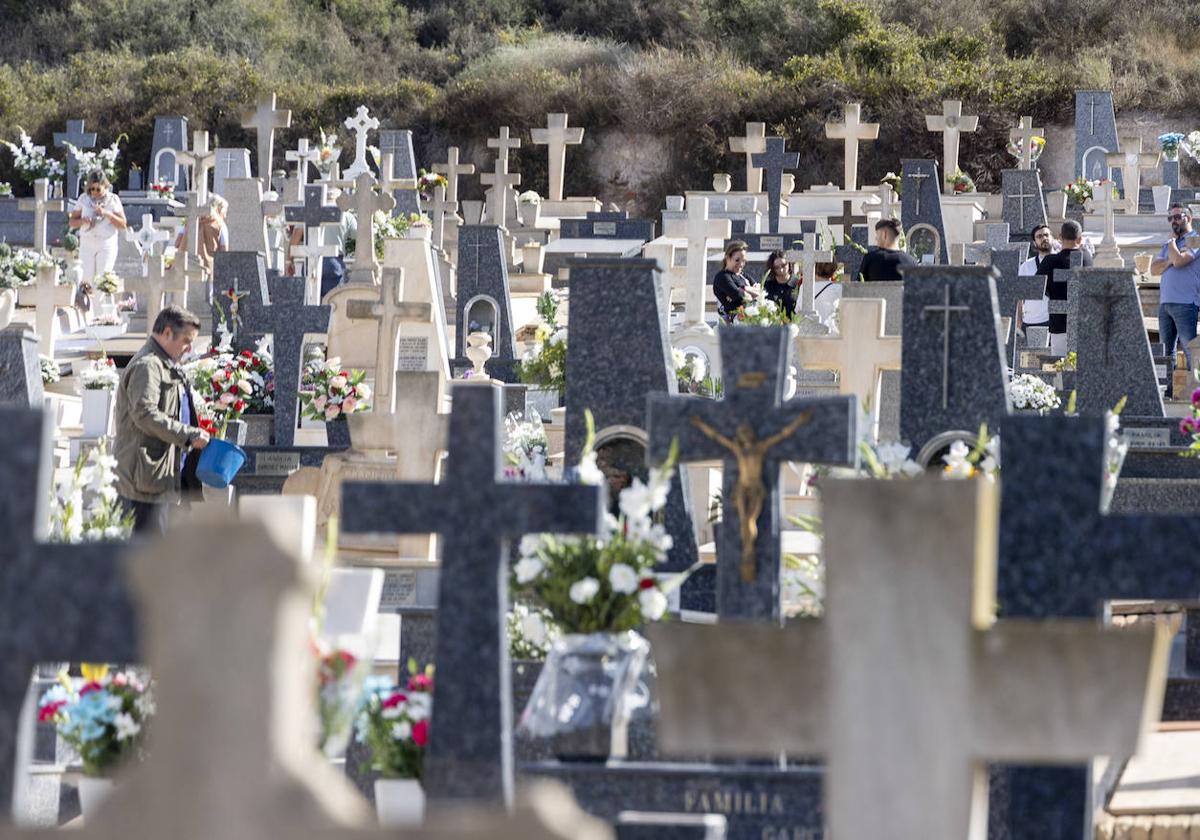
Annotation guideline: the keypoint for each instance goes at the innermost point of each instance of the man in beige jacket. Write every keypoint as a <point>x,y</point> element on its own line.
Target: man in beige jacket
<point>156,422</point>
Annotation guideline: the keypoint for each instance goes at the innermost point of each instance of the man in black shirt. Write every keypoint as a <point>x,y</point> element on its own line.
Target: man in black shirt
<point>885,260</point>
<point>1072,240</point>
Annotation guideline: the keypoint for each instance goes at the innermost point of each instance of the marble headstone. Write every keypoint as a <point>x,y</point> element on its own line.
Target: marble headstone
<point>170,136</point>
<point>1024,206</point>
<point>921,210</point>
<point>1095,133</point>
<point>404,166</point>
<point>483,302</point>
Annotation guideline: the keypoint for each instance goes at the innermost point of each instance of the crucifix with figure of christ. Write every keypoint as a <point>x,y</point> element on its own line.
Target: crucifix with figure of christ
<point>753,432</point>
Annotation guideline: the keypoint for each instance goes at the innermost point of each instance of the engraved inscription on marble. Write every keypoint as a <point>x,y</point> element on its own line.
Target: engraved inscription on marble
<point>411,353</point>
<point>1150,438</point>
<point>276,463</point>
<point>399,589</point>
<point>604,229</point>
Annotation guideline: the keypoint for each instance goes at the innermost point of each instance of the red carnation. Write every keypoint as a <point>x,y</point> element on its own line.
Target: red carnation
<point>395,700</point>
<point>48,712</point>
<point>647,583</point>
<point>88,688</point>
<point>347,657</point>
<point>239,406</point>
<point>247,354</point>
<point>420,682</point>
<point>420,733</point>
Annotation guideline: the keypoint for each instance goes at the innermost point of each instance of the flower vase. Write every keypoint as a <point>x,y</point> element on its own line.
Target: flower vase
<point>8,305</point>
<point>586,694</point>
<point>93,792</point>
<point>337,433</point>
<point>722,182</point>
<point>399,803</point>
<point>1162,199</point>
<point>97,412</point>
<point>1171,155</point>
<point>530,212</point>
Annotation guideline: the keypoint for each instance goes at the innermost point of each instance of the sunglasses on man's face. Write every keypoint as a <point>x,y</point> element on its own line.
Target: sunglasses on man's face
<point>1176,217</point>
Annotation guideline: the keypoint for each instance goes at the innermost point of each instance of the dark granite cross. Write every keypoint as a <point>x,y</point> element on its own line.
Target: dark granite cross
<point>946,310</point>
<point>80,139</point>
<point>315,211</point>
<point>288,319</point>
<point>478,517</point>
<point>58,602</point>
<point>848,219</point>
<point>851,252</point>
<point>773,162</point>
<point>1062,555</point>
<point>753,433</point>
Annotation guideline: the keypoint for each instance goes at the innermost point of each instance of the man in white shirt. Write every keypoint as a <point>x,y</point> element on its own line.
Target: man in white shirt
<point>1036,312</point>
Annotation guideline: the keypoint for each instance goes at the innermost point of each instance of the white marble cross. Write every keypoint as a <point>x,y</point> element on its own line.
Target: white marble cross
<point>851,130</point>
<point>438,209</point>
<point>500,179</point>
<point>1131,160</point>
<point>194,209</point>
<point>41,205</point>
<point>753,143</point>
<point>886,202</point>
<point>910,684</point>
<point>391,311</point>
<point>700,229</point>
<point>1024,134</point>
<point>1108,254</point>
<point>147,237</point>
<point>364,202</point>
<point>200,160</point>
<point>313,252</point>
<point>302,156</point>
<point>557,136</point>
<point>264,119</point>
<point>160,281</point>
<point>453,170</point>
<point>387,182</point>
<point>360,124</point>
<point>808,258</point>
<point>45,294</point>
<point>951,123</point>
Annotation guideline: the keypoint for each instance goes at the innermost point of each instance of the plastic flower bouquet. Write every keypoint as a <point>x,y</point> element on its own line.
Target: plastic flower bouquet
<point>84,506</point>
<point>51,372</point>
<point>328,153</point>
<point>545,363</point>
<point>101,716</point>
<point>1081,190</point>
<point>103,159</point>
<point>760,313</point>
<point>108,283</point>
<point>1016,148</point>
<point>19,266</point>
<point>427,182</point>
<point>394,724</point>
<point>340,677</point>
<point>100,375</point>
<point>163,188</point>
<point>960,182</point>
<point>1031,393</point>
<point>531,632</point>
<point>1171,143</point>
<point>526,447</point>
<point>31,162</point>
<point>328,392</point>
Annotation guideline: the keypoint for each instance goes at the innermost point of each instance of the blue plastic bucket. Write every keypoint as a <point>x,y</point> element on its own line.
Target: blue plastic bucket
<point>219,463</point>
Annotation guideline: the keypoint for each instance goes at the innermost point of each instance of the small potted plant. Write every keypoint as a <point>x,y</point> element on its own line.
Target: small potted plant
<point>102,717</point>
<point>394,725</point>
<point>329,393</point>
<point>1171,143</point>
<point>529,206</point>
<point>960,182</point>
<point>98,384</point>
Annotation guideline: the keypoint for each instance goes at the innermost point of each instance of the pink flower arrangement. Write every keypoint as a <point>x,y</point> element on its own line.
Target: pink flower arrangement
<point>329,393</point>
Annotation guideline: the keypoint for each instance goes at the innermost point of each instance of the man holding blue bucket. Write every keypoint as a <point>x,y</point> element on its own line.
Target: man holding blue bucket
<point>158,438</point>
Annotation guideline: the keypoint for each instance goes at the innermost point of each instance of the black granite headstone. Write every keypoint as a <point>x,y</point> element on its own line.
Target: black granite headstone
<point>921,209</point>
<point>404,166</point>
<point>20,371</point>
<point>483,302</point>
<point>239,288</point>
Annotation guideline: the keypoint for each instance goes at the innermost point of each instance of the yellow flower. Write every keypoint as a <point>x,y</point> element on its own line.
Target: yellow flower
<point>542,333</point>
<point>93,673</point>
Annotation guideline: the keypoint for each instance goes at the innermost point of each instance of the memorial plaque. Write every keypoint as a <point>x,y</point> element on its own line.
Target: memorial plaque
<point>604,229</point>
<point>770,243</point>
<point>1148,438</point>
<point>1160,371</point>
<point>399,589</point>
<point>276,463</point>
<point>411,353</point>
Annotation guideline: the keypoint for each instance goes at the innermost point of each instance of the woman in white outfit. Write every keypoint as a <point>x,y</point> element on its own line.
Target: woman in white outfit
<point>98,216</point>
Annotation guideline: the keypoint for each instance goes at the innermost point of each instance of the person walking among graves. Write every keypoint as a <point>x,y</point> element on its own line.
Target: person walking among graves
<point>1071,235</point>
<point>158,436</point>
<point>730,287</point>
<point>213,232</point>
<point>99,216</point>
<point>1035,312</point>
<point>1179,298</point>
<point>884,261</point>
<point>781,282</point>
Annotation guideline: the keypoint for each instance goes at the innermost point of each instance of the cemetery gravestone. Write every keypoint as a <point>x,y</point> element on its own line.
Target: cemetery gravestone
<point>951,123</point>
<point>773,161</point>
<point>500,179</point>
<point>921,210</point>
<point>199,161</point>
<point>360,124</point>
<point>364,202</point>
<point>851,131</point>
<point>170,137</point>
<point>239,289</point>
<point>1023,134</point>
<point>1024,205</point>
<point>1131,160</point>
<point>246,223</point>
<point>399,144</point>
<point>263,121</point>
<point>20,372</point>
<point>754,142</point>
<point>483,302</point>
<point>230,163</point>
<point>80,139</point>
<point>556,136</point>
<point>1095,133</point>
<point>41,206</point>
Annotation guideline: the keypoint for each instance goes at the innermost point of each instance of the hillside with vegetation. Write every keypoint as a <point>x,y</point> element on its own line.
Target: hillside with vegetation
<point>691,71</point>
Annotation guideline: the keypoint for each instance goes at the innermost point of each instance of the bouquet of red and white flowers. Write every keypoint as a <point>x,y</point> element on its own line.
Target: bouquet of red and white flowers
<point>394,724</point>
<point>327,392</point>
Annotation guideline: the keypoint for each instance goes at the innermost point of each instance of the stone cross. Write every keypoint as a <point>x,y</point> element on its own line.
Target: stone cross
<point>755,142</point>
<point>557,136</point>
<point>45,295</point>
<point>364,202</point>
<point>1131,160</point>
<point>912,595</point>
<point>313,213</point>
<point>951,123</point>
<point>439,209</point>
<point>148,237</point>
<point>851,130</point>
<point>773,162</point>
<point>808,258</point>
<point>200,160</point>
<point>288,319</point>
<point>360,124</point>
<point>1085,558</point>
<point>453,170</point>
<point>394,186</point>
<point>194,209</point>
<point>860,353</point>
<point>80,139</point>
<point>887,203</point>
<point>41,206</point>
<point>469,756</point>
<point>263,120</point>
<point>390,312</point>
<point>160,281</point>
<point>1105,202</point>
<point>50,593</point>
<point>1020,196</point>
<point>700,228</point>
<point>945,310</point>
<point>752,432</point>
<point>1024,133</point>
<point>302,156</point>
<point>848,220</point>
<point>500,179</point>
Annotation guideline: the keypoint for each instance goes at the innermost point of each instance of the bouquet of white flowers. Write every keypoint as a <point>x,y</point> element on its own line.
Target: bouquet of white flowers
<point>1029,392</point>
<point>31,161</point>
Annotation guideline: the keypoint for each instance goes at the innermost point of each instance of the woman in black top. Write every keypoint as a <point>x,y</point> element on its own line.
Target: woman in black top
<point>730,287</point>
<point>780,284</point>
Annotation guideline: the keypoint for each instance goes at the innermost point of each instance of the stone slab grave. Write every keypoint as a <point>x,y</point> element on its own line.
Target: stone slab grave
<point>472,760</point>
<point>483,302</point>
<point>752,431</point>
<point>288,320</point>
<point>1095,134</point>
<point>913,595</point>
<point>576,238</point>
<point>398,143</point>
<point>20,370</point>
<point>860,353</point>
<point>51,593</point>
<point>955,375</point>
<point>921,211</point>
<point>1011,287</point>
<point>1113,351</point>
<point>1024,204</point>
<point>1054,477</point>
<point>193,646</point>
<point>170,137</point>
<point>619,303</point>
